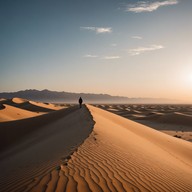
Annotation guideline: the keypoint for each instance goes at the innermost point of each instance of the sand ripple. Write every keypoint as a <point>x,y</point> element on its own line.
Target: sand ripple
<point>98,166</point>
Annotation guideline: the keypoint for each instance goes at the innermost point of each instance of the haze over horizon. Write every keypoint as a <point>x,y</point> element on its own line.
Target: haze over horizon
<point>126,48</point>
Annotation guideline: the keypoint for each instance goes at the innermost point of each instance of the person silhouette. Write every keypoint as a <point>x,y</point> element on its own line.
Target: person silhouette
<point>80,102</point>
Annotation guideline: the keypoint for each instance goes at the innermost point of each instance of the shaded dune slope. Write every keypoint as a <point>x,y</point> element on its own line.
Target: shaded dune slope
<point>43,150</point>
<point>13,131</point>
<point>2,106</point>
<point>121,155</point>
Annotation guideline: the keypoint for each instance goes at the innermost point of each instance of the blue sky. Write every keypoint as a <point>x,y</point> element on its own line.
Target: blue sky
<point>129,48</point>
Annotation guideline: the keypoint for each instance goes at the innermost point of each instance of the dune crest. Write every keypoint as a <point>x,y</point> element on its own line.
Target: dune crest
<point>19,100</point>
<point>47,105</point>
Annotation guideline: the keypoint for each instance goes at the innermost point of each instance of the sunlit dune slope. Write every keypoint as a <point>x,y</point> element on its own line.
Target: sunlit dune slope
<point>10,113</point>
<point>122,155</point>
<point>18,108</point>
<point>19,100</point>
<point>12,131</point>
<point>46,105</point>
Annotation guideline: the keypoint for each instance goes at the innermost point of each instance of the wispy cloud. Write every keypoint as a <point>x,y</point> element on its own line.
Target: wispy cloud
<point>147,6</point>
<point>98,30</point>
<point>114,45</point>
<point>102,57</point>
<point>140,50</point>
<point>137,37</point>
<point>112,57</point>
<point>90,56</point>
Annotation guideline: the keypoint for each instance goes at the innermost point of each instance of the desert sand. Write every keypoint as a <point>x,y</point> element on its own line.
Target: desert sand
<point>17,108</point>
<point>91,149</point>
<point>9,113</point>
<point>175,120</point>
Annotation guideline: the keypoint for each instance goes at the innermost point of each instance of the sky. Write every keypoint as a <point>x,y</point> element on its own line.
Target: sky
<point>119,47</point>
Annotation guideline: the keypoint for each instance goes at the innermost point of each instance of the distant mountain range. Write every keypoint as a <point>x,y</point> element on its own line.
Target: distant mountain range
<point>67,97</point>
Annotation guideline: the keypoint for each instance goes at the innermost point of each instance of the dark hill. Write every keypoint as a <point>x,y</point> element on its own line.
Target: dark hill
<point>67,97</point>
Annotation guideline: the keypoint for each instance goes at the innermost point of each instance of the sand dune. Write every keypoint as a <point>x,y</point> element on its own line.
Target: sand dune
<point>122,155</point>
<point>19,100</point>
<point>119,155</point>
<point>175,120</point>
<point>47,105</point>
<point>31,105</point>
<point>18,108</point>
<point>172,118</point>
<point>2,99</point>
<point>10,113</point>
<point>49,141</point>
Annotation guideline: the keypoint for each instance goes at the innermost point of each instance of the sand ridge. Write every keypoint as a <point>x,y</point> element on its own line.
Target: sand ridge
<point>47,105</point>
<point>121,155</point>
